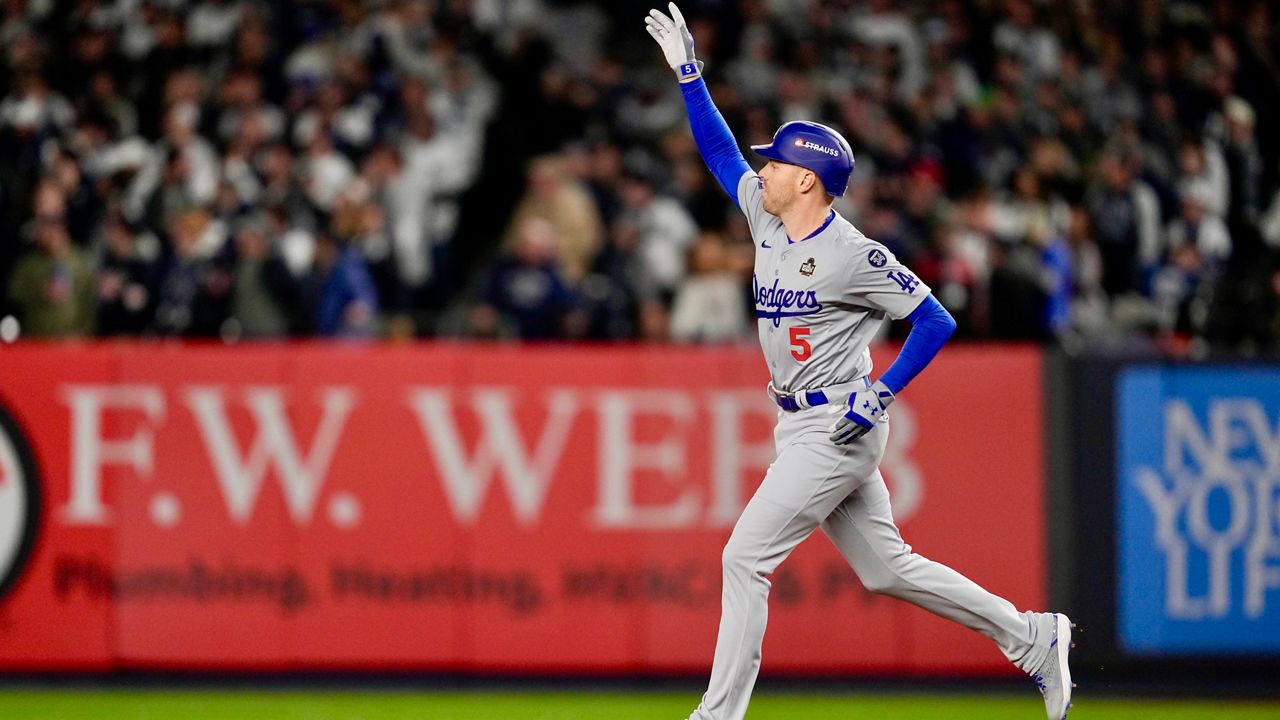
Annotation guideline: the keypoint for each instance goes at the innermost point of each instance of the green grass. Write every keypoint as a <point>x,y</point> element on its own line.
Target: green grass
<point>72,704</point>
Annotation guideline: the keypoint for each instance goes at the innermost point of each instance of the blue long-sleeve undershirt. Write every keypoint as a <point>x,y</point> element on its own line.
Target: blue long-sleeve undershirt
<point>931,325</point>
<point>715,142</point>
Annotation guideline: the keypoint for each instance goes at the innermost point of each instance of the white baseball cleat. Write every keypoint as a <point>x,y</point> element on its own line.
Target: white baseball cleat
<point>1054,676</point>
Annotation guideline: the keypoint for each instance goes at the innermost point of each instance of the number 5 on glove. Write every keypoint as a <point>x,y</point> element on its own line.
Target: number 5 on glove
<point>672,34</point>
<point>866,408</point>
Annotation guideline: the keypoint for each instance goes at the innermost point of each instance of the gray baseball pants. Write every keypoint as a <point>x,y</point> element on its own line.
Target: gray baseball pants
<point>815,483</point>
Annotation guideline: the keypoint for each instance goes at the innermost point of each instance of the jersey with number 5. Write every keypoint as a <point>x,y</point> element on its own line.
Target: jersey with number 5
<point>821,300</point>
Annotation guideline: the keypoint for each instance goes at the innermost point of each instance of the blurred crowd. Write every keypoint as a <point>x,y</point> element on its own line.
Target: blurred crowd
<point>1059,170</point>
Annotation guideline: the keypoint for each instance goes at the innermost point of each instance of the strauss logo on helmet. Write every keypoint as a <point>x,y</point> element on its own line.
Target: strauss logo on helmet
<point>810,145</point>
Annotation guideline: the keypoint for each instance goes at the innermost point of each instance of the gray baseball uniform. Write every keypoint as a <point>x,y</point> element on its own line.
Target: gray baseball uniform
<point>820,301</point>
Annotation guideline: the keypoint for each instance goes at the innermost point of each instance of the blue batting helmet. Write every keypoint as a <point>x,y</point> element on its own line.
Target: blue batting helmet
<point>815,147</point>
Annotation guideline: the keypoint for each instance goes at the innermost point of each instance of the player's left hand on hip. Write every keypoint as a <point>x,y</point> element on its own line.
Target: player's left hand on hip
<point>866,408</point>
<point>672,35</point>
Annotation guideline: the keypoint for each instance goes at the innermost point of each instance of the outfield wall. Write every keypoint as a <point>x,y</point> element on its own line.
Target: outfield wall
<point>554,510</point>
<point>470,508</point>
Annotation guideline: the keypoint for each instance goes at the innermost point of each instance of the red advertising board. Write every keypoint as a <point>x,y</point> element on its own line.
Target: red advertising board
<point>470,508</point>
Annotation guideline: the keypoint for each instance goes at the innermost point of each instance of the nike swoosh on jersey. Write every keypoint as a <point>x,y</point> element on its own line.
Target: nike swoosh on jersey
<point>765,245</point>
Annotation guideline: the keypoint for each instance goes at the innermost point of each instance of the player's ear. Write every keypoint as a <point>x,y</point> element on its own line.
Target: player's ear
<point>807,180</point>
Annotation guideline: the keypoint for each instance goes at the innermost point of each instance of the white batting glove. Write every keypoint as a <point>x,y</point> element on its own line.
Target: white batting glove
<point>866,408</point>
<point>672,34</point>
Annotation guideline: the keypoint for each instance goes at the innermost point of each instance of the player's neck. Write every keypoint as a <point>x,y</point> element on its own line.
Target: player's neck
<point>802,219</point>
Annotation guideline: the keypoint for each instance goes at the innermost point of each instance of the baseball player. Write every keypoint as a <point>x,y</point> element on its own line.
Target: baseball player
<point>822,290</point>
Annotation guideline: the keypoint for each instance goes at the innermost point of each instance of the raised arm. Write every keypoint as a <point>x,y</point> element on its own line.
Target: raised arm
<point>715,142</point>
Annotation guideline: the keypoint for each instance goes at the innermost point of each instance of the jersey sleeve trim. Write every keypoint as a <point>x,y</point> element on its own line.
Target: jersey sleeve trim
<point>918,306</point>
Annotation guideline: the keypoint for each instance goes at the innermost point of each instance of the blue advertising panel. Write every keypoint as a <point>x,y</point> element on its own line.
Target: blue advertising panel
<point>1198,510</point>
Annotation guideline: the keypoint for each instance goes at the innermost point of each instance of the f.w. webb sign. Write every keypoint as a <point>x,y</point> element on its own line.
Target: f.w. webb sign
<point>460,507</point>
